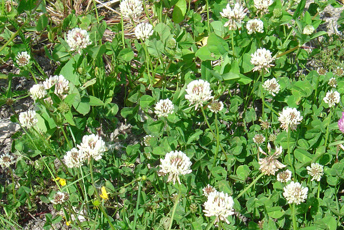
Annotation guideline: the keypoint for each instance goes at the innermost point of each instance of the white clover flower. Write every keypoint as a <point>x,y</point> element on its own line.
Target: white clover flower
<point>284,176</point>
<point>23,59</point>
<point>216,106</point>
<point>295,193</point>
<point>262,59</point>
<point>131,8</point>
<point>78,39</point>
<point>272,86</point>
<point>338,71</point>
<point>74,158</point>
<point>235,15</point>
<point>198,92</point>
<point>146,140</point>
<point>60,197</point>
<point>258,139</point>
<point>28,119</point>
<point>61,85</point>
<point>321,71</point>
<point>332,82</point>
<point>38,92</point>
<point>208,189</point>
<point>6,160</point>
<point>270,165</point>
<point>220,205</point>
<point>262,5</point>
<point>163,108</point>
<point>289,117</point>
<point>316,171</point>
<point>332,98</point>
<point>175,163</point>
<point>308,30</point>
<point>255,26</point>
<point>92,146</point>
<point>143,31</point>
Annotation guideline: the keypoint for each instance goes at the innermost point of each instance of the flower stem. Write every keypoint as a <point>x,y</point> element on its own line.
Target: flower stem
<point>294,216</point>
<point>207,5</point>
<point>217,140</point>
<point>248,187</point>
<point>123,41</point>
<point>327,129</point>
<point>318,194</point>
<point>137,204</point>
<point>83,183</point>
<point>175,207</point>
<point>262,92</point>
<point>13,186</point>
<point>146,11</point>
<point>289,157</point>
<point>206,121</point>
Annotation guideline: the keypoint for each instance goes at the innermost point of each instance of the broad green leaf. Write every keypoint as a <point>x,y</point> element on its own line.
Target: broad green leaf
<point>146,101</point>
<point>243,171</point>
<point>179,11</point>
<point>42,23</point>
<point>95,101</point>
<point>302,155</point>
<point>126,55</point>
<point>275,212</point>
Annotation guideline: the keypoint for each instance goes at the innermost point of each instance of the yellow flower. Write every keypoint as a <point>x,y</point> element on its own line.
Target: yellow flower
<point>62,181</point>
<point>104,194</point>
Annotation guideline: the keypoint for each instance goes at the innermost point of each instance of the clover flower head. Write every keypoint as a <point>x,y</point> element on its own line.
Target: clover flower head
<point>332,82</point>
<point>270,165</point>
<point>332,98</point>
<point>316,171</point>
<point>38,92</point>
<point>131,8</point>
<point>341,123</point>
<point>78,39</point>
<point>338,71</point>
<point>262,59</point>
<point>208,189</point>
<point>262,5</point>
<point>220,205</point>
<point>289,118</point>
<point>74,158</point>
<point>308,30</point>
<point>23,59</point>
<point>284,176</point>
<point>321,71</point>
<point>60,197</point>
<point>92,146</point>
<point>198,92</point>
<point>295,193</point>
<point>176,163</point>
<point>61,85</point>
<point>28,119</point>
<point>272,86</point>
<point>143,31</point>
<point>146,140</point>
<point>255,26</point>
<point>6,160</point>
<point>258,139</point>
<point>216,106</point>
<point>235,15</point>
<point>164,107</point>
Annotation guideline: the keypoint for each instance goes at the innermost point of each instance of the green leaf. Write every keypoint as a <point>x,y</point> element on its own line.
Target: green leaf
<point>219,173</point>
<point>146,101</point>
<point>42,23</point>
<point>275,212</point>
<point>243,171</point>
<point>88,83</point>
<point>69,118</point>
<point>94,101</point>
<point>126,55</point>
<point>194,136</point>
<point>217,45</point>
<point>179,11</point>
<point>68,71</point>
<point>302,155</point>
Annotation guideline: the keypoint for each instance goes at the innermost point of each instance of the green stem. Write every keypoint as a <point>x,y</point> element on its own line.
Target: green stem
<point>67,140</point>
<point>122,25</point>
<point>248,187</point>
<point>33,75</point>
<point>95,8</point>
<point>83,183</point>
<point>174,208</point>
<point>146,11</point>
<point>262,92</point>
<point>137,204</point>
<point>9,40</point>
<point>210,225</point>
<point>206,120</point>
<point>232,35</point>
<point>289,157</point>
<point>207,5</point>
<point>316,88</point>
<point>13,186</point>
<point>217,140</point>
<point>327,129</point>
<point>147,64</point>
<point>318,194</point>
<point>294,216</point>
